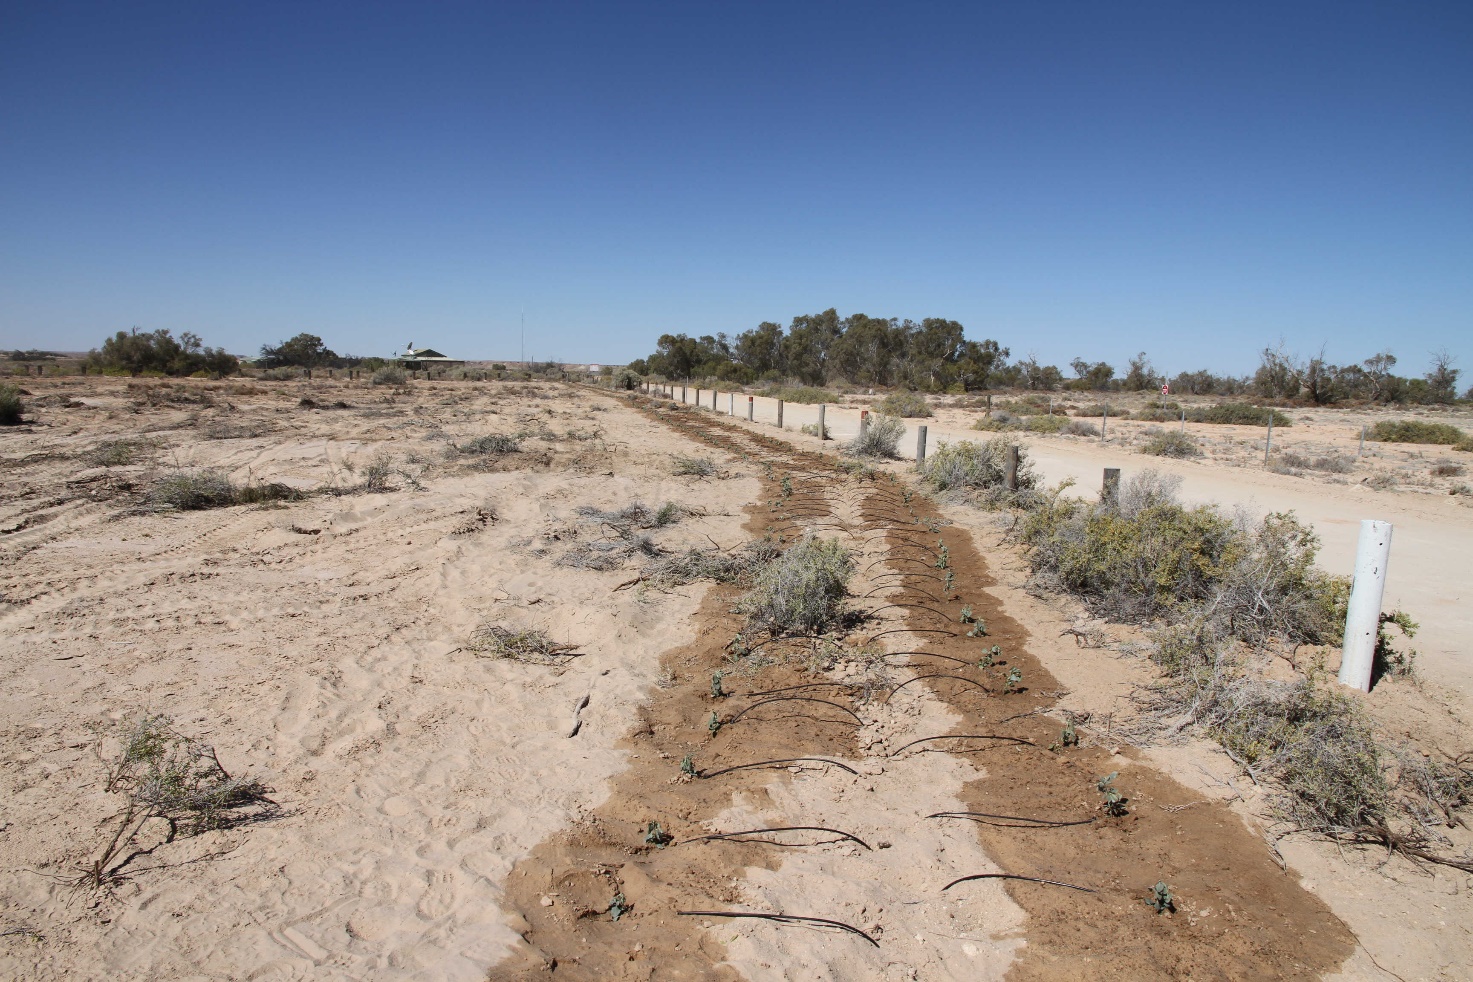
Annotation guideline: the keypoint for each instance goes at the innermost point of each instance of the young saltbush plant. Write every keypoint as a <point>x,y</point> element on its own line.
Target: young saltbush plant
<point>11,408</point>
<point>881,439</point>
<point>907,405</point>
<point>968,468</point>
<point>801,591</point>
<point>1417,431</point>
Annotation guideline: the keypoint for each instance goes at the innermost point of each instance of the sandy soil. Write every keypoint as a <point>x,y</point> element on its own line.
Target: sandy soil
<point>438,820</point>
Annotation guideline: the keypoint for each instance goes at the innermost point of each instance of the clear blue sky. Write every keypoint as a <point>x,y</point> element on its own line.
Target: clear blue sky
<point>1077,178</point>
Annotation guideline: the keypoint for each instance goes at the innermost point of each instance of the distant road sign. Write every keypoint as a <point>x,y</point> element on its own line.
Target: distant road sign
<point>1165,389</point>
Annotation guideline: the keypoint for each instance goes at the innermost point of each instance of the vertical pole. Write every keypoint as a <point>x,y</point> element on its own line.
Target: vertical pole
<point>750,407</point>
<point>1183,419</point>
<point>920,445</point>
<point>1361,451</point>
<point>1363,614</point>
<point>714,394</point>
<point>779,414</point>
<point>698,398</point>
<point>1010,468</point>
<point>863,422</point>
<point>821,408</point>
<point>1050,405</point>
<point>1110,493</point>
<point>1268,444</point>
<point>1104,419</point>
<point>682,395</point>
<point>731,404</point>
<point>989,405</point>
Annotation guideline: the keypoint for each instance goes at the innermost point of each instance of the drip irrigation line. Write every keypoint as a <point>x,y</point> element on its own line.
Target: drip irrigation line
<point>1013,876</point>
<point>897,559</point>
<point>928,654</point>
<point>785,760</point>
<point>898,572</point>
<point>912,589</point>
<point>764,702</point>
<point>914,630</point>
<point>1030,823</point>
<point>928,609</point>
<point>964,736</point>
<point>921,678</point>
<point>794,688</point>
<point>781,919</point>
<point>782,828</point>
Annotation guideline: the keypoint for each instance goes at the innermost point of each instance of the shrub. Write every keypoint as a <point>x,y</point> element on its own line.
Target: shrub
<point>118,453</point>
<point>1000,421</point>
<point>1046,424</point>
<point>969,466</point>
<point>530,646</point>
<point>1171,443</point>
<point>1416,431</point>
<point>803,590</point>
<point>1330,464</point>
<point>1239,414</point>
<point>492,445</point>
<point>1448,470</point>
<point>907,405</point>
<point>694,466</point>
<point>812,430</point>
<point>709,564</point>
<point>11,409</point>
<point>1080,427</point>
<point>880,439</point>
<point>804,394</point>
<point>200,490</point>
<point>389,375</point>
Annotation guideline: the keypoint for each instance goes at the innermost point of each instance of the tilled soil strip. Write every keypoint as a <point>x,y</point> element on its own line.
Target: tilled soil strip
<point>1037,811</point>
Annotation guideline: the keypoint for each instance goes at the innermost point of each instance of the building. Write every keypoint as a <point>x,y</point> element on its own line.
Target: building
<point>422,359</point>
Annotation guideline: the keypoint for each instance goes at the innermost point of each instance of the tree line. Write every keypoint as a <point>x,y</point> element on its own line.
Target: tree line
<point>934,355</point>
<point>158,352</point>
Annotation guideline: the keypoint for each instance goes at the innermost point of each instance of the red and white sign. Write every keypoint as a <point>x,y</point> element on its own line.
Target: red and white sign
<point>1165,389</point>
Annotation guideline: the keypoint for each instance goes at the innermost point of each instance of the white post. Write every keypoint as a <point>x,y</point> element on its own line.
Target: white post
<point>731,404</point>
<point>1363,615</point>
<point>821,408</point>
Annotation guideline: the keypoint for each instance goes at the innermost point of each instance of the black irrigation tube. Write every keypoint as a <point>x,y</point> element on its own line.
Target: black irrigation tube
<point>784,760</point>
<point>781,919</point>
<point>927,654</point>
<point>921,678</point>
<point>816,719</point>
<point>899,559</point>
<point>1028,823</point>
<point>1014,876</point>
<point>911,572</point>
<point>794,688</point>
<point>782,828</point>
<point>964,736</point>
<point>912,589</point>
<point>913,630</point>
<point>927,609</point>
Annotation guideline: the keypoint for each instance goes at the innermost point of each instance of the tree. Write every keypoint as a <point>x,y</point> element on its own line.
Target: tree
<point>159,351</point>
<point>1442,377</point>
<point>1378,374</point>
<point>302,351</point>
<point>1141,375</point>
<point>1096,377</point>
<point>1279,375</point>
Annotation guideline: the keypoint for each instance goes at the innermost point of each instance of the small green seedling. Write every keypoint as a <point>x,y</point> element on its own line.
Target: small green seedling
<point>1160,898</point>
<point>658,837</point>
<point>688,766</point>
<point>950,580</point>
<point>1069,738</point>
<point>618,907</point>
<point>1015,676</point>
<point>979,630</point>
<point>966,617</point>
<point>717,692</point>
<point>713,725</point>
<point>906,494</point>
<point>990,656</point>
<point>787,487</point>
<point>1114,803</point>
<point>943,561</point>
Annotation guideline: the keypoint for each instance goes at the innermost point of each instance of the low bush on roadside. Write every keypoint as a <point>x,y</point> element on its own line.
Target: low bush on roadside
<point>811,429</point>
<point>1238,414</point>
<point>694,467</point>
<point>906,405</point>
<point>388,375</point>
<point>491,445</point>
<point>204,489</point>
<point>879,440</point>
<point>802,394</point>
<point>1080,427</point>
<point>976,468</point>
<point>1330,464</point>
<point>803,590</point>
<point>1171,443</point>
<point>1416,431</point>
<point>12,411</point>
<point>1046,424</point>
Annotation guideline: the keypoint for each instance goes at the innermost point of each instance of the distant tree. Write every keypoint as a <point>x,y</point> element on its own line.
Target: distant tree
<point>1442,377</point>
<point>1378,375</point>
<point>1279,375</point>
<point>1096,377</point>
<point>160,352</point>
<point>1141,375</point>
<point>303,351</point>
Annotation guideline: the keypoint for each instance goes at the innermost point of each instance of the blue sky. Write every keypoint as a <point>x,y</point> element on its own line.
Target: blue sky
<point>1072,179</point>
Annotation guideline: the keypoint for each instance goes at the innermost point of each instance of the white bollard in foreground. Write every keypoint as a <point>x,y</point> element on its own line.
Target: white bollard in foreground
<point>1363,615</point>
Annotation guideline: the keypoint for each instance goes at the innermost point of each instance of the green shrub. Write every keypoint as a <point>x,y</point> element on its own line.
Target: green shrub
<point>1238,413</point>
<point>1046,424</point>
<point>11,409</point>
<point>804,394</point>
<point>969,467</point>
<point>803,590</point>
<point>119,453</point>
<point>1171,443</point>
<point>880,439</point>
<point>1417,431</point>
<point>907,405</point>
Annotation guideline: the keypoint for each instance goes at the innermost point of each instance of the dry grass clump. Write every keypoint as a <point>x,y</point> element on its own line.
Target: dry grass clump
<point>222,429</point>
<point>12,410</point>
<point>1080,427</point>
<point>969,468</point>
<point>491,445</point>
<point>630,526</point>
<point>803,590</point>
<point>635,515</point>
<point>203,489</point>
<point>1446,469</point>
<point>1329,464</point>
<point>1416,431</point>
<point>880,440</point>
<point>811,429</point>
<point>1171,443</point>
<point>119,453</point>
<point>906,405</point>
<point>530,646</point>
<point>165,775</point>
<point>388,375</point>
<point>694,466</point>
<point>695,565</point>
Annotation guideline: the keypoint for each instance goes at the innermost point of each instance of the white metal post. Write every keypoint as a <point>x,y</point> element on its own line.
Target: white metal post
<point>821,408</point>
<point>1363,614</point>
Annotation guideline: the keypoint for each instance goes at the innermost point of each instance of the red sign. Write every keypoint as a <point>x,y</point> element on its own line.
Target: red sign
<point>1165,389</point>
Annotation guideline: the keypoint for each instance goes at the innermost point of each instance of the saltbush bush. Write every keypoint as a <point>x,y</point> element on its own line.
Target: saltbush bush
<point>1239,414</point>
<point>803,590</point>
<point>1416,431</point>
<point>11,409</point>
<point>907,405</point>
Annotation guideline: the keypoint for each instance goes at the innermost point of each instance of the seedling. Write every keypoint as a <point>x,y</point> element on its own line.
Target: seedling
<point>966,617</point>
<point>1160,898</point>
<point>1069,737</point>
<point>943,561</point>
<point>688,766</point>
<point>658,837</point>
<point>979,630</point>
<point>787,487</point>
<point>717,692</point>
<point>990,656</point>
<point>618,907</point>
<point>1114,803</point>
<point>906,494</point>
<point>713,725</point>
<point>950,580</point>
<point>1015,676</point>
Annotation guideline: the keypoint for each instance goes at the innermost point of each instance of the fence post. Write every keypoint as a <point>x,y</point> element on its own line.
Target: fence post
<point>779,414</point>
<point>750,407</point>
<point>920,445</point>
<point>714,394</point>
<point>1110,493</point>
<point>1363,614</point>
<point>1183,419</point>
<point>1010,468</point>
<point>1361,451</point>
<point>863,422</point>
<point>682,395</point>
<point>989,405</point>
<point>821,408</point>
<point>731,404</point>
<point>1104,420</point>
<point>1268,444</point>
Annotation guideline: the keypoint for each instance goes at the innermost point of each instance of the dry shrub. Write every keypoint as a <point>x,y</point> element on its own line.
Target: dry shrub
<point>1417,431</point>
<point>1330,464</point>
<point>12,410</point>
<point>694,467</point>
<point>879,440</point>
<point>530,646</point>
<point>492,445</point>
<point>1171,443</point>
<point>120,453</point>
<point>203,489</point>
<point>388,375</point>
<point>906,405</point>
<point>695,565</point>
<point>977,470</point>
<point>1448,470</point>
<point>803,590</point>
<point>1080,427</point>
